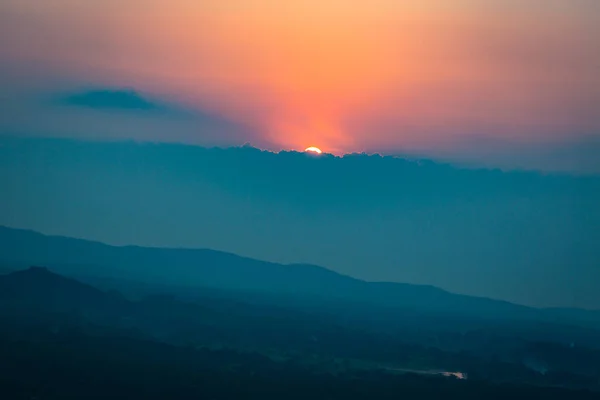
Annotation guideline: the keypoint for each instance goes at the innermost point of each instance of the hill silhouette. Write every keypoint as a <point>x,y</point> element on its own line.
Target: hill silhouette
<point>37,304</point>
<point>202,268</point>
<point>37,294</point>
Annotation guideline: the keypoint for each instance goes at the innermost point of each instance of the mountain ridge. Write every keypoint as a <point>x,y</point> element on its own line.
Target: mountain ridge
<point>314,267</point>
<point>216,269</point>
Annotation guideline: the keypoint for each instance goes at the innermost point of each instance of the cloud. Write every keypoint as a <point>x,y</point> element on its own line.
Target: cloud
<point>577,155</point>
<point>65,109</point>
<point>111,99</point>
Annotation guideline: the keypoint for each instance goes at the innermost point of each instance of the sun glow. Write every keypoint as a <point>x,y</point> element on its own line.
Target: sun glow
<point>313,150</point>
<point>350,76</point>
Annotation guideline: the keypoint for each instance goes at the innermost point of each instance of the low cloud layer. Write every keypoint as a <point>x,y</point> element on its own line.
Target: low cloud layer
<point>114,113</point>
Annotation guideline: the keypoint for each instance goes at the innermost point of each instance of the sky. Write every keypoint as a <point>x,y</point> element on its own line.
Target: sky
<point>473,80</point>
<point>174,123</point>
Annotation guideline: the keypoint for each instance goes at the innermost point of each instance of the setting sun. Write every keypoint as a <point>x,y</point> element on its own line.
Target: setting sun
<point>313,150</point>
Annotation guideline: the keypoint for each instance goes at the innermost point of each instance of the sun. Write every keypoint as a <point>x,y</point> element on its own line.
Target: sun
<point>313,149</point>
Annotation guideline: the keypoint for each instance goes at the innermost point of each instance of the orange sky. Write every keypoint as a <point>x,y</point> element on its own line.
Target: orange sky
<point>344,76</point>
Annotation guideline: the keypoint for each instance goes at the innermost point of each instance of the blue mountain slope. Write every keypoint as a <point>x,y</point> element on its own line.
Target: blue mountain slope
<point>214,269</point>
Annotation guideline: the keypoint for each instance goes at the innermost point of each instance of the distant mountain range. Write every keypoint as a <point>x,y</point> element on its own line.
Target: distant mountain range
<point>200,268</point>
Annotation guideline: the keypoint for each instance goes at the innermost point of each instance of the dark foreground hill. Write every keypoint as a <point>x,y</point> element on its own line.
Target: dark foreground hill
<point>38,287</point>
<point>74,366</point>
<point>66,328</point>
